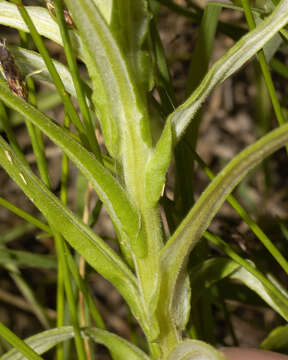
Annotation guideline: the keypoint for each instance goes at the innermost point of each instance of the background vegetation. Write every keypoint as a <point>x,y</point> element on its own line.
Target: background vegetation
<point>130,110</point>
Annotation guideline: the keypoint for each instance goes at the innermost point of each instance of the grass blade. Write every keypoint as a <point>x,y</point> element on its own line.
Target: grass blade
<point>242,51</point>
<point>18,344</point>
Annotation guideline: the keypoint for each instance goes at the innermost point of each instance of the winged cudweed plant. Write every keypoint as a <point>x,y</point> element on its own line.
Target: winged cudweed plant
<point>118,42</point>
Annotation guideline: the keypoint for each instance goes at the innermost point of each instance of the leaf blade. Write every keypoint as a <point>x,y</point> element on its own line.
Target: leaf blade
<point>177,249</point>
<point>242,51</point>
<point>81,237</point>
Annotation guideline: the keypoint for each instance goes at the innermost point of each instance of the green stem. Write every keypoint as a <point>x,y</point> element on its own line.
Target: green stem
<point>60,277</point>
<point>70,109</point>
<point>24,215</point>
<point>71,60</point>
<point>37,139</point>
<point>264,67</point>
<point>18,344</point>
<point>83,288</point>
<point>60,307</point>
<point>62,253</point>
<point>34,133</point>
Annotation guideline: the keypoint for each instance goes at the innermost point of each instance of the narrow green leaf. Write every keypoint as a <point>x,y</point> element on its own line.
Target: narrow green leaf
<point>16,232</point>
<point>110,192</point>
<point>119,348</point>
<point>177,249</point>
<point>105,7</point>
<point>277,339</point>
<point>195,350</point>
<point>129,24</point>
<point>242,51</point>
<point>45,24</point>
<point>117,101</point>
<point>157,166</point>
<point>42,342</point>
<point>265,285</point>
<point>162,76</point>
<point>208,273</point>
<point>24,215</point>
<point>254,284</point>
<point>272,46</point>
<point>201,55</point>
<point>31,62</point>
<point>198,68</point>
<point>21,346</point>
<point>124,121</point>
<point>82,238</point>
<point>28,293</point>
<point>27,259</point>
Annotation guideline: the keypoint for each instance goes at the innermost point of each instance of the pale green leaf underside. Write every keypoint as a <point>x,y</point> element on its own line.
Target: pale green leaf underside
<point>254,284</point>
<point>42,342</point>
<point>189,232</point>
<point>195,350</point>
<point>105,7</point>
<point>31,62</point>
<point>242,51</point>
<point>44,23</point>
<point>46,340</point>
<point>80,236</point>
<point>120,348</point>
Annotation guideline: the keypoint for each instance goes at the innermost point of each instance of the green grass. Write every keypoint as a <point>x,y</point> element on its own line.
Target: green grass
<point>122,137</point>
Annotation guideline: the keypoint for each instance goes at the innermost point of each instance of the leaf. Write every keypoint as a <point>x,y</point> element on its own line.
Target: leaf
<point>28,293</point>
<point>81,237</point>
<point>272,46</point>
<point>157,166</point>
<point>208,273</point>
<point>242,51</point>
<point>125,125</point>
<point>254,284</point>
<point>115,95</point>
<point>105,7</point>
<point>116,201</point>
<point>42,342</point>
<point>277,339</point>
<point>176,251</point>
<point>27,259</point>
<point>30,61</point>
<point>44,23</point>
<point>16,232</point>
<point>130,25</point>
<point>202,52</point>
<point>119,348</point>
<point>46,340</point>
<point>195,350</point>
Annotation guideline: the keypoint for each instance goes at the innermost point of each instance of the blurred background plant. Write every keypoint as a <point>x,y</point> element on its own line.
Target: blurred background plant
<point>118,149</point>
